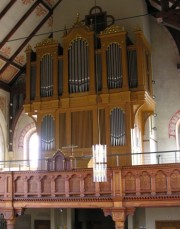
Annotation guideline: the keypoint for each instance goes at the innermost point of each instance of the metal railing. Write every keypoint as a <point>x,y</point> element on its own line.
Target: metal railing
<point>114,160</point>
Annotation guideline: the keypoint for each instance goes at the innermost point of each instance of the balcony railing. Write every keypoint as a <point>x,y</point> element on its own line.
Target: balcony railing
<point>79,162</point>
<point>137,185</point>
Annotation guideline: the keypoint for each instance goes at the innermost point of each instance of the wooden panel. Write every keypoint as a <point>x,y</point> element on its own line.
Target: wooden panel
<point>42,224</point>
<point>168,225</point>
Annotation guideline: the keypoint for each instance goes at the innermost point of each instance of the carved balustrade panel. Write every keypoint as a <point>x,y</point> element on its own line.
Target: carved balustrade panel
<point>59,185</point>
<point>46,185</point>
<point>161,182</point>
<point>105,187</point>
<point>74,184</point>
<point>145,182</point>
<point>175,180</point>
<point>32,186</point>
<point>130,183</point>
<point>19,186</point>
<point>2,179</point>
<point>89,185</point>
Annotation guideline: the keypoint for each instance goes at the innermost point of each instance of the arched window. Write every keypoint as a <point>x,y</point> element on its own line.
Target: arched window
<point>31,149</point>
<point>33,146</point>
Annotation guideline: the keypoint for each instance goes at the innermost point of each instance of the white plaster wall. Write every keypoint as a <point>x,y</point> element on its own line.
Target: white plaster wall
<point>4,122</point>
<point>128,17</point>
<point>158,214</point>
<point>167,84</point>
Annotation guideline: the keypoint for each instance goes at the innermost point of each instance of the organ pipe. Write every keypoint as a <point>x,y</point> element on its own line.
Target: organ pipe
<point>114,66</point>
<point>46,79</point>
<point>78,66</point>
<point>47,133</point>
<point>117,122</point>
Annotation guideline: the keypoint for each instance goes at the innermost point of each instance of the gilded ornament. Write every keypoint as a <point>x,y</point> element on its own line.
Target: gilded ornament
<point>46,42</point>
<point>113,29</point>
<point>28,48</point>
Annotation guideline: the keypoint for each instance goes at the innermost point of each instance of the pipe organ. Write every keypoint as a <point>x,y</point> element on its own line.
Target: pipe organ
<point>82,93</point>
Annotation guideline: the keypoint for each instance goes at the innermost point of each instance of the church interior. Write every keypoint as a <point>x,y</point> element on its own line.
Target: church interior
<point>89,114</point>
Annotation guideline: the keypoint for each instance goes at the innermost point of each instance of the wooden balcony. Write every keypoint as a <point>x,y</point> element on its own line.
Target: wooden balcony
<point>132,186</point>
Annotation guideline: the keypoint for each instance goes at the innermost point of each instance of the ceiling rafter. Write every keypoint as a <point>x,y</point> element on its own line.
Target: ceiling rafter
<point>26,41</point>
<point>8,61</point>
<point>22,70</point>
<point>8,6</point>
<point>18,24</point>
<point>29,37</point>
<point>168,15</point>
<point>45,5</point>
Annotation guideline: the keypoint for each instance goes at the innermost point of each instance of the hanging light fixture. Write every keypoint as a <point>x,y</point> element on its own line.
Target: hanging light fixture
<point>99,163</point>
<point>99,151</point>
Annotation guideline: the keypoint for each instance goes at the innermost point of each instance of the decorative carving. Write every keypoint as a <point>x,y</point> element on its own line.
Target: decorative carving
<point>59,184</point>
<point>8,213</point>
<point>130,183</point>
<point>28,48</point>
<point>118,215</point>
<point>175,180</point>
<point>145,181</point>
<point>113,29</point>
<point>172,124</point>
<point>160,180</point>
<point>46,42</point>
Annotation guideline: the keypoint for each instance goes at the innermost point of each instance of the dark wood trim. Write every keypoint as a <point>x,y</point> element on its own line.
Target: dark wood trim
<point>10,62</point>
<point>4,86</point>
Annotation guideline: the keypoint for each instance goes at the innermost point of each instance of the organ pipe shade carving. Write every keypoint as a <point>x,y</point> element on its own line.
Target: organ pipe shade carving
<point>114,66</point>
<point>46,76</point>
<point>78,71</point>
<point>132,68</point>
<point>117,130</point>
<point>47,133</point>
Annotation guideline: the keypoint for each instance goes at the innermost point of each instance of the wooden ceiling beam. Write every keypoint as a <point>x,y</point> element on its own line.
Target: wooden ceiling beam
<point>29,37</point>
<point>18,24</point>
<point>10,62</point>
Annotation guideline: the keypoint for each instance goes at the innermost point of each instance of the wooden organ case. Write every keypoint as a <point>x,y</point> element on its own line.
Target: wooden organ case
<point>66,86</point>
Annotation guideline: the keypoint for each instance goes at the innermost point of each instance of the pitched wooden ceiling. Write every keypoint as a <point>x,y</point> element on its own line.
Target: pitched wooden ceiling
<point>167,12</point>
<point>21,22</point>
<point>29,21</point>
